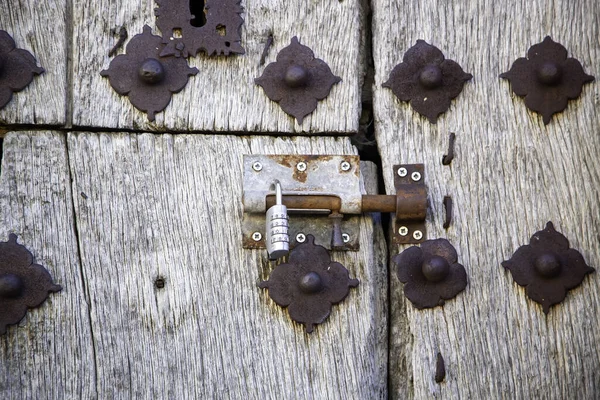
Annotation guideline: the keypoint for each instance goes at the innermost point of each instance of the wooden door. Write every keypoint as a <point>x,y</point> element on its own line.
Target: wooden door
<point>111,204</point>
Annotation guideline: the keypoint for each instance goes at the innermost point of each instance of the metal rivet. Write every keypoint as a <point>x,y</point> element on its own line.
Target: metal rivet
<point>402,172</point>
<point>418,235</point>
<point>301,166</point>
<point>345,166</point>
<point>403,231</point>
<point>416,176</point>
<point>311,283</point>
<point>436,269</point>
<point>345,237</point>
<point>256,236</point>
<point>257,166</point>
<point>151,71</point>
<point>300,238</point>
<point>11,286</point>
<point>296,76</point>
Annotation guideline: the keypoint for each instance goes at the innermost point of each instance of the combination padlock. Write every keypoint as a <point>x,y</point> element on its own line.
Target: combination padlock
<point>278,239</point>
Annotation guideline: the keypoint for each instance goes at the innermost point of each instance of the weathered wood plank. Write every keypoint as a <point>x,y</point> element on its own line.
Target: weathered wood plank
<point>512,174</point>
<point>49,354</point>
<point>40,28</point>
<point>223,96</point>
<point>170,206</point>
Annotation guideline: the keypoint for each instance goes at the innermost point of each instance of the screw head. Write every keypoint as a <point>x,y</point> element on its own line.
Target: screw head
<point>301,166</point>
<point>418,235</point>
<point>416,176</point>
<point>345,166</point>
<point>300,238</point>
<point>431,77</point>
<point>296,76</point>
<point>11,286</point>
<point>257,236</point>
<point>257,166</point>
<point>403,231</point>
<point>151,71</point>
<point>345,237</point>
<point>402,172</point>
<point>311,283</point>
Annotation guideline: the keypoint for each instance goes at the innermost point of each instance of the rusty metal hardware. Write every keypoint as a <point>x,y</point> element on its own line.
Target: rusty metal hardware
<point>17,68</point>
<point>431,273</point>
<point>146,78</point>
<point>411,201</point>
<point>440,368</point>
<point>448,207</point>
<point>547,78</point>
<point>214,28</point>
<point>297,80</point>
<point>547,267</point>
<point>427,80</point>
<point>23,284</point>
<point>323,197</point>
<point>122,37</point>
<point>309,284</point>
<point>447,158</point>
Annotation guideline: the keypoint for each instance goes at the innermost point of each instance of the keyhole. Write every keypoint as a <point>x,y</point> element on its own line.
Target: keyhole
<point>197,9</point>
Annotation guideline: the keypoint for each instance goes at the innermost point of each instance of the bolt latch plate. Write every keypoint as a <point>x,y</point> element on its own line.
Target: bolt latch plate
<point>332,176</point>
<point>411,193</point>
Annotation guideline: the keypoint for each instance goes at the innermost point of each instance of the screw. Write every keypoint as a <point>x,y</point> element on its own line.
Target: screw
<point>257,167</point>
<point>256,236</point>
<point>345,237</point>
<point>300,238</point>
<point>403,231</point>
<point>345,166</point>
<point>416,176</point>
<point>301,166</point>
<point>402,171</point>
<point>159,283</point>
<point>418,235</point>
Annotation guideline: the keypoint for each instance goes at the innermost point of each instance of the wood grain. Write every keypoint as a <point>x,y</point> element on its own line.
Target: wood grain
<point>39,27</point>
<point>49,354</point>
<point>170,207</point>
<point>510,176</point>
<point>223,96</point>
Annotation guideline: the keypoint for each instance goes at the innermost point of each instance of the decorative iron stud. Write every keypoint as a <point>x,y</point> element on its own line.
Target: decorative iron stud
<point>547,267</point>
<point>547,78</point>
<point>17,68</point>
<point>23,284</point>
<point>297,80</point>
<point>309,283</point>
<point>431,273</point>
<point>427,80</point>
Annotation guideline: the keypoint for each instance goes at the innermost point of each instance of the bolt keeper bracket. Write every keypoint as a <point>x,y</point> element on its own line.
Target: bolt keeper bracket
<point>325,197</point>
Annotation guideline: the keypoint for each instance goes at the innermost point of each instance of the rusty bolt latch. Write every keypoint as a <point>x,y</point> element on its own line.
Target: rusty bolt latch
<point>431,274</point>
<point>17,68</point>
<point>309,284</point>
<point>297,80</point>
<point>23,284</point>
<point>427,80</point>
<point>547,267</point>
<point>547,78</point>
